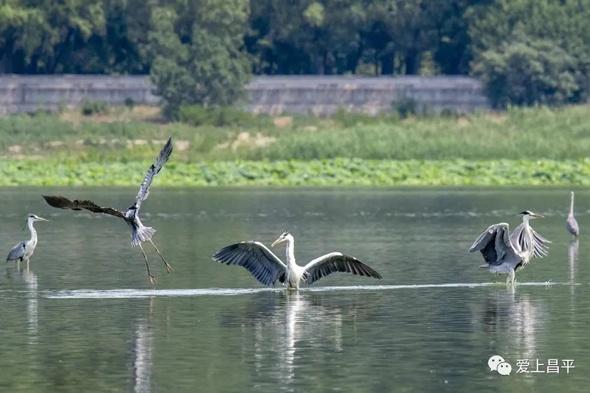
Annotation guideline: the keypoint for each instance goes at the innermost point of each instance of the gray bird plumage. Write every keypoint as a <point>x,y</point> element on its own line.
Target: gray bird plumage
<point>139,232</point>
<point>23,251</point>
<point>506,252</point>
<point>571,224</point>
<point>267,268</point>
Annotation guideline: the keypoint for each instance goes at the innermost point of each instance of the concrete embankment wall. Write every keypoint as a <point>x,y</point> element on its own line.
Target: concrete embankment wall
<point>319,95</point>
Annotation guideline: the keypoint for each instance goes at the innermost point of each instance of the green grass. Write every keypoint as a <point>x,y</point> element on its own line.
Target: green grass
<point>331,172</point>
<point>531,133</point>
<point>527,146</point>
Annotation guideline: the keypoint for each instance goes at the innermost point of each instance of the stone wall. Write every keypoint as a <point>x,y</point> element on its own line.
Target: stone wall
<point>319,95</point>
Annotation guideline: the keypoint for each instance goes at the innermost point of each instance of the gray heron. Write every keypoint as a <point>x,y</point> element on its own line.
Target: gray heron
<point>571,224</point>
<point>139,232</point>
<point>23,251</point>
<point>267,268</point>
<point>505,252</point>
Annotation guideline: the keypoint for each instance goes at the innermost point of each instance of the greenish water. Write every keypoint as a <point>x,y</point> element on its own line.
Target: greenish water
<point>83,318</point>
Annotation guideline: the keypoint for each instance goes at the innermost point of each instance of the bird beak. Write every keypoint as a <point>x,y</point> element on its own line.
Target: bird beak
<point>535,215</point>
<point>276,242</point>
<point>41,219</point>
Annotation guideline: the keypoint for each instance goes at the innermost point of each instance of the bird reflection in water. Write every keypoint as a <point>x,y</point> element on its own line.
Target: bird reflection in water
<point>31,289</point>
<point>513,316</point>
<point>143,361</point>
<point>282,331</point>
<point>572,257</point>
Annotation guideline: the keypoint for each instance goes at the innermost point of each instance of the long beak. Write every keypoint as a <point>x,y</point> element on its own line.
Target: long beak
<point>41,219</point>
<point>276,242</point>
<point>535,215</point>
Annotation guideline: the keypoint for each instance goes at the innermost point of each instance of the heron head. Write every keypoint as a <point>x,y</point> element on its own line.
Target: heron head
<point>34,217</point>
<point>530,214</point>
<point>284,237</point>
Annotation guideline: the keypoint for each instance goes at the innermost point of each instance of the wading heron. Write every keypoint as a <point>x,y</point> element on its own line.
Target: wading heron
<point>139,232</point>
<point>267,268</point>
<point>571,224</point>
<point>506,252</point>
<point>23,251</point>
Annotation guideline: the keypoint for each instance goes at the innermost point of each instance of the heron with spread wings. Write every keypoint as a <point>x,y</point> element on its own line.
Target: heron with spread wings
<point>139,232</point>
<point>267,268</point>
<point>506,252</point>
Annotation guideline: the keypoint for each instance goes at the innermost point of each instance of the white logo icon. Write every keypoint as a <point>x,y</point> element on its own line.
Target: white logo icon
<point>497,363</point>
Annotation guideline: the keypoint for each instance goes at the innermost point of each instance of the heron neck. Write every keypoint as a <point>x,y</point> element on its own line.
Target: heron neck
<point>525,221</point>
<point>32,230</point>
<point>572,206</point>
<point>291,252</point>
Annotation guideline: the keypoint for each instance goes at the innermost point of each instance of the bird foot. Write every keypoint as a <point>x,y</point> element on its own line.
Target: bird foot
<point>152,279</point>
<point>169,268</point>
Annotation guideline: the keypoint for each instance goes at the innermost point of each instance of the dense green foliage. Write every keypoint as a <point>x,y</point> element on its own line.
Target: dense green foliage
<point>201,51</point>
<point>334,172</point>
<point>533,51</point>
<point>528,146</point>
<point>197,56</point>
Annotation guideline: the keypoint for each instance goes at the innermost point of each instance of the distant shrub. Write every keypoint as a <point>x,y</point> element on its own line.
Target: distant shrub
<point>405,107</point>
<point>90,108</point>
<point>530,73</point>
<point>197,115</point>
<point>129,103</point>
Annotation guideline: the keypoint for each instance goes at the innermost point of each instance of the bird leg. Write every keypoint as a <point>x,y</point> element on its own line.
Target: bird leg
<point>511,278</point>
<point>150,276</point>
<point>166,264</point>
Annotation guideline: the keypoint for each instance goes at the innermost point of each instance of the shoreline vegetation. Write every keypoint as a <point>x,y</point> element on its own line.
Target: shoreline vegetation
<point>537,146</point>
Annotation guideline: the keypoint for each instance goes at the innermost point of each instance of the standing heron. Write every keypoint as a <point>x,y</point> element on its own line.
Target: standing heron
<point>139,232</point>
<point>267,268</point>
<point>23,251</point>
<point>571,224</point>
<point>506,252</point>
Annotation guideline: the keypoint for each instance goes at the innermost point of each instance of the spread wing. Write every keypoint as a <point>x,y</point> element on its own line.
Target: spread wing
<point>336,262</point>
<point>61,202</point>
<point>17,252</point>
<point>528,240</point>
<point>494,243</point>
<point>255,257</point>
<point>153,170</point>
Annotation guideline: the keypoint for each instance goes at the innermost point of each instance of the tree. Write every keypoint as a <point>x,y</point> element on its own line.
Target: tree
<point>197,52</point>
<point>532,51</point>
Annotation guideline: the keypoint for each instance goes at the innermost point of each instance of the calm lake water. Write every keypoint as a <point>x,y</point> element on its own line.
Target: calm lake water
<point>83,318</point>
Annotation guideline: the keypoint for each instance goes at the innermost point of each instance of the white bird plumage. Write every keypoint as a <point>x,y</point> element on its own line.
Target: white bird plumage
<point>24,250</point>
<point>267,268</point>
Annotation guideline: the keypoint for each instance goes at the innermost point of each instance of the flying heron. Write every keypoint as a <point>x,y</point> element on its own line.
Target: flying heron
<point>267,268</point>
<point>23,251</point>
<point>506,252</point>
<point>139,232</point>
<point>571,224</point>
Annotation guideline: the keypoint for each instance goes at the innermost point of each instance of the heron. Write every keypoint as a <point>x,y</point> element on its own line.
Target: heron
<point>267,268</point>
<point>24,250</point>
<point>139,232</point>
<point>505,252</point>
<point>571,224</point>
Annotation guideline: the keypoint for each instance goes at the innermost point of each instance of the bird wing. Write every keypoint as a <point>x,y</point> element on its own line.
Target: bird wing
<point>153,170</point>
<point>336,262</point>
<point>494,243</point>
<point>255,257</point>
<point>61,202</point>
<point>527,240</point>
<point>16,252</point>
